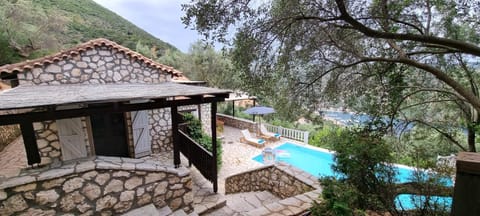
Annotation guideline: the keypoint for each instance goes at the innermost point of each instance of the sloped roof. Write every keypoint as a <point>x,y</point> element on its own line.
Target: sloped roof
<point>48,95</point>
<point>100,42</point>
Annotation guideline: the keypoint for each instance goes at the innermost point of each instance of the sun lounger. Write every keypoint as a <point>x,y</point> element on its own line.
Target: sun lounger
<point>247,138</point>
<point>268,135</point>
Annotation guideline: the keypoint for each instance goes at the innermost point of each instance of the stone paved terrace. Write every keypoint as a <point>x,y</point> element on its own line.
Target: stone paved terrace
<point>12,159</point>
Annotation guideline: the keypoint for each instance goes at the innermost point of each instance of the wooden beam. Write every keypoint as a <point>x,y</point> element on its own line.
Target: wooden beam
<point>30,143</point>
<point>213,110</point>
<point>110,107</point>
<point>175,139</point>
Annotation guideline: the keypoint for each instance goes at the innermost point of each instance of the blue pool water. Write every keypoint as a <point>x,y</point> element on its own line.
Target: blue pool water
<point>318,163</point>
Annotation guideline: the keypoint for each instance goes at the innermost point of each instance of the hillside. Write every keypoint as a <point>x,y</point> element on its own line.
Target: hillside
<point>33,28</point>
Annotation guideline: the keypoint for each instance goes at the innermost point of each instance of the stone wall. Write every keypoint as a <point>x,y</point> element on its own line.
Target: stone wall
<point>205,109</point>
<point>102,185</point>
<point>97,66</point>
<point>237,122</point>
<point>281,180</point>
<point>161,130</point>
<point>94,66</point>
<point>296,188</point>
<point>47,141</point>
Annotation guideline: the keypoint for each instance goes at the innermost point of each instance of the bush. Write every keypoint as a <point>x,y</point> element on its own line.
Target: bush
<point>195,132</point>
<point>338,199</point>
<point>326,136</point>
<point>365,180</point>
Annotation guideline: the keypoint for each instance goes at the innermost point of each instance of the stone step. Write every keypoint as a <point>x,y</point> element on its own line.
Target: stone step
<point>164,211</point>
<point>179,212</point>
<point>148,210</point>
<point>204,199</point>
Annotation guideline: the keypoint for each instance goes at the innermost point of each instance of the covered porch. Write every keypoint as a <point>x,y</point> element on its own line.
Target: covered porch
<point>28,105</point>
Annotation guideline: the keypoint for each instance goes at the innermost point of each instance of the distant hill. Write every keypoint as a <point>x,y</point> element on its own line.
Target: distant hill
<point>33,28</point>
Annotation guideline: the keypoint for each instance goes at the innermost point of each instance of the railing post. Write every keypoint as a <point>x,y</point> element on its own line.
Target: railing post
<point>305,137</point>
<point>213,110</point>
<point>175,140</point>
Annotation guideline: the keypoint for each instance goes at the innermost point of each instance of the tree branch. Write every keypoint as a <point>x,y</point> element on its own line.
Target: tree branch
<point>455,44</point>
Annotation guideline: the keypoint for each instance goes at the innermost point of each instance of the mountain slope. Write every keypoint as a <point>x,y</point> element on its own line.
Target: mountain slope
<point>33,28</point>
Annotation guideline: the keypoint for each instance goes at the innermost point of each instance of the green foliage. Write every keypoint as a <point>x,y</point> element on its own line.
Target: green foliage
<point>326,136</point>
<point>7,54</point>
<point>420,147</point>
<point>365,179</point>
<point>36,28</point>
<point>337,199</point>
<point>227,107</point>
<point>196,133</point>
<point>297,54</point>
<point>363,160</point>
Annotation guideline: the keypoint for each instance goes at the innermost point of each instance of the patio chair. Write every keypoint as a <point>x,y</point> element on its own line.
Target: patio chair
<point>247,138</point>
<point>264,133</point>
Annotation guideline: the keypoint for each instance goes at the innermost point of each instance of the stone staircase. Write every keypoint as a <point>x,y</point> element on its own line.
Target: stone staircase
<point>151,210</point>
<point>204,199</point>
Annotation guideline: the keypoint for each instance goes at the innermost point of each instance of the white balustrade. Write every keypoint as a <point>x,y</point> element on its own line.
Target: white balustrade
<point>294,134</point>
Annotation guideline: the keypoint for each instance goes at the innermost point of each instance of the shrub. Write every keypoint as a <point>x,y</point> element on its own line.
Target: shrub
<point>195,132</point>
<point>364,181</point>
<point>326,136</point>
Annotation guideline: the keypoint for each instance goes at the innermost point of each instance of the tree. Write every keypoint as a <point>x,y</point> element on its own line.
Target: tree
<point>29,29</point>
<point>317,46</point>
<point>204,63</point>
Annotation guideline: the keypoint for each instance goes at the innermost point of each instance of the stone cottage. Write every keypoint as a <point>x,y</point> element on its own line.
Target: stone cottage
<point>92,107</point>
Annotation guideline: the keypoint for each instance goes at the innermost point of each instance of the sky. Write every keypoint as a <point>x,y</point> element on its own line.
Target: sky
<point>161,18</point>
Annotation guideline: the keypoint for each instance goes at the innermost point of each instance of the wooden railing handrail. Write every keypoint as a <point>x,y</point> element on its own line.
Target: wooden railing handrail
<point>193,141</point>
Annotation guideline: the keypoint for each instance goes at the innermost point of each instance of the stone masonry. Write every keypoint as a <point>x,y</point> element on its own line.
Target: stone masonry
<point>47,141</point>
<point>96,66</point>
<point>161,130</point>
<point>102,185</point>
<point>237,122</point>
<point>271,178</point>
<point>296,188</point>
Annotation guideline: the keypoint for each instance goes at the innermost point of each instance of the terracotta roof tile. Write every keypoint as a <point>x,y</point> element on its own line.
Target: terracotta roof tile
<point>29,64</point>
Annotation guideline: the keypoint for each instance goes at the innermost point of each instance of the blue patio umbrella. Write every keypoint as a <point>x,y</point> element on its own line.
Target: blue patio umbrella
<point>259,110</point>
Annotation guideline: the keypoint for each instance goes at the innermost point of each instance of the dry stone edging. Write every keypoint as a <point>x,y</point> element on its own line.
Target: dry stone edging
<point>97,184</point>
<point>296,188</point>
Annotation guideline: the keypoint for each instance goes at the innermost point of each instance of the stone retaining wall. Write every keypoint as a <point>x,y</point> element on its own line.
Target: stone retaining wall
<point>281,180</point>
<point>237,122</point>
<point>297,189</point>
<point>101,185</point>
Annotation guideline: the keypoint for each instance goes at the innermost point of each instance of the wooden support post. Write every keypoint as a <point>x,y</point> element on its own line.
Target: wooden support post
<point>466,195</point>
<point>199,111</point>
<point>30,142</point>
<point>213,110</point>
<point>175,138</point>
<point>254,104</point>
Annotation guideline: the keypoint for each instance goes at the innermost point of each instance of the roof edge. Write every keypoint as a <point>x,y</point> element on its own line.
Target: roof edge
<point>77,50</point>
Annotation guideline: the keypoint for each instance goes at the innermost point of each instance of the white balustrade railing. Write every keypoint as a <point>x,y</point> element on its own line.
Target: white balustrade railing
<point>294,134</point>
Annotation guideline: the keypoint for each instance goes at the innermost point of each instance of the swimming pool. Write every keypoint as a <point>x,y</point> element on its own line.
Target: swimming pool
<point>319,162</point>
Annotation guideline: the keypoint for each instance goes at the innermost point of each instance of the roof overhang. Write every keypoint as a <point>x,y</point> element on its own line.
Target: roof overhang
<point>54,95</point>
<point>49,102</point>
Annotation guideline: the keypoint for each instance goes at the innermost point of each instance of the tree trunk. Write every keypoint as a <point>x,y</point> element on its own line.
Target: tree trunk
<point>471,137</point>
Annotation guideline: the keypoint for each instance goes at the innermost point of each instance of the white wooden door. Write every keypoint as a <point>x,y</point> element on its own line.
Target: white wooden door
<point>72,138</point>
<point>141,134</point>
